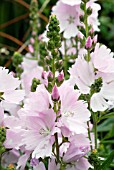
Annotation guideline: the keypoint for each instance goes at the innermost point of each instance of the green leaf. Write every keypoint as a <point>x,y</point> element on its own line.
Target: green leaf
<point>106,125</point>
<point>107,162</point>
<point>110,115</point>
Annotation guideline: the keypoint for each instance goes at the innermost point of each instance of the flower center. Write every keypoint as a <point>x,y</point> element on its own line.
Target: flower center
<point>71,19</point>
<point>44,132</point>
<point>69,114</point>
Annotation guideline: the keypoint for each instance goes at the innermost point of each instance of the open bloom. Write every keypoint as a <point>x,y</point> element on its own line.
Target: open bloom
<point>68,17</point>
<point>31,70</point>
<point>81,164</point>
<point>74,112</point>
<point>102,59</point>
<point>71,2</point>
<point>1,116</point>
<point>8,87</point>
<point>37,101</point>
<point>91,77</point>
<point>38,137</point>
<point>68,14</point>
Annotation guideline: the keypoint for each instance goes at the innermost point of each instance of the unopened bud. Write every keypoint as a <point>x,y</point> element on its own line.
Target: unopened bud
<point>82,18</point>
<point>32,40</point>
<point>89,42</point>
<point>44,75</point>
<point>61,76</point>
<point>82,6</point>
<point>55,93</point>
<point>31,49</point>
<point>50,76</point>
<point>80,35</point>
<point>91,31</point>
<point>89,11</point>
<point>95,38</point>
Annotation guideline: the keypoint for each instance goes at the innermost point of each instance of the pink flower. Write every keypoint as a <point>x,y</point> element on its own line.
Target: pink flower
<point>22,160</point>
<point>38,137</point>
<point>8,87</point>
<point>68,14</point>
<point>38,101</point>
<point>74,112</point>
<point>85,76</point>
<point>68,17</point>
<point>31,70</point>
<point>81,164</point>
<point>102,58</point>
<point>1,116</point>
<point>71,2</point>
<point>82,74</point>
<point>51,166</point>
<point>93,18</point>
<point>79,146</point>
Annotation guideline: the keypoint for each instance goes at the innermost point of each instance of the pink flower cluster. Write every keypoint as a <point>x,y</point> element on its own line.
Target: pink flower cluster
<point>53,125</point>
<point>32,130</point>
<point>99,73</point>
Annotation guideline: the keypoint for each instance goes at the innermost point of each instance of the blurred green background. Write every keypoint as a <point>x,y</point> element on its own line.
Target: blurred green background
<point>15,28</point>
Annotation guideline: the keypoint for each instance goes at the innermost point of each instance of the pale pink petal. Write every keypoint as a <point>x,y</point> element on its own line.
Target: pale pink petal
<point>71,2</point>
<point>14,96</point>
<point>98,103</point>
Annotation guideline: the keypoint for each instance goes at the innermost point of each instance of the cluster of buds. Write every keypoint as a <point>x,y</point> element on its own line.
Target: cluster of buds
<point>34,22</point>
<point>17,60</point>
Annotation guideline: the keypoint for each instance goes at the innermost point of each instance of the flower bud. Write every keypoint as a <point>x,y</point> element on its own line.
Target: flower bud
<point>95,39</point>
<point>55,94</point>
<point>32,40</point>
<point>82,18</point>
<point>89,42</point>
<point>35,83</point>
<point>31,49</point>
<point>91,31</point>
<point>82,6</point>
<point>44,75</point>
<point>61,76</point>
<point>50,76</point>
<point>80,35</point>
<point>89,11</point>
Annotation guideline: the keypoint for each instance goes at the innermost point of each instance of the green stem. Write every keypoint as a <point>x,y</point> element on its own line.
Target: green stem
<point>77,51</point>
<point>85,22</point>
<point>44,6</point>
<point>89,135</point>
<point>88,55</point>
<point>95,128</point>
<point>53,70</point>
<point>57,146</point>
<point>56,137</point>
<point>0,162</point>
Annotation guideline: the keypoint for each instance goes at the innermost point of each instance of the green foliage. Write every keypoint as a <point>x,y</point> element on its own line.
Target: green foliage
<point>106,34</point>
